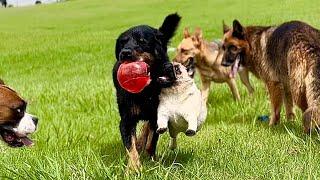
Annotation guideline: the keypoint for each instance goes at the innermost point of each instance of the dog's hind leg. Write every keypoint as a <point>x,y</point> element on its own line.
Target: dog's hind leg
<point>173,143</point>
<point>233,87</point>
<point>205,88</point>
<point>244,77</point>
<point>276,98</point>
<point>311,117</point>
<point>173,134</point>
<point>288,102</point>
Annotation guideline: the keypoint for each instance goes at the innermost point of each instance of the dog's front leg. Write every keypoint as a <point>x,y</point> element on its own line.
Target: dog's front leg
<point>233,86</point>
<point>162,120</point>
<point>143,137</point>
<point>276,99</point>
<point>128,135</point>
<point>152,141</point>
<point>244,77</point>
<point>192,124</point>
<point>205,88</point>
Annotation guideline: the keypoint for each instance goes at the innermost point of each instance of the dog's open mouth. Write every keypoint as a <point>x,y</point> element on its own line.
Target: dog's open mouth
<point>13,140</point>
<point>190,65</point>
<point>235,67</point>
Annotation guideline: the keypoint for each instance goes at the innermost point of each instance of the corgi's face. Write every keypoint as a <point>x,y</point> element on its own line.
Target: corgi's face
<point>182,72</point>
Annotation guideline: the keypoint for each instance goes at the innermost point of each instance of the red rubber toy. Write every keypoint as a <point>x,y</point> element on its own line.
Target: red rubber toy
<point>134,76</point>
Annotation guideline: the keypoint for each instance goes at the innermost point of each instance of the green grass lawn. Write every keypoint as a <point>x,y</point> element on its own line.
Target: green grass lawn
<point>59,57</point>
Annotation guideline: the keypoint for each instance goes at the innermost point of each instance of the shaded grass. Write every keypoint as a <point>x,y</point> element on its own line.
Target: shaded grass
<point>60,56</point>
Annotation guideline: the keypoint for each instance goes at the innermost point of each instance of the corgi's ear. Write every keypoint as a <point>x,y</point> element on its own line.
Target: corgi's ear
<point>186,33</point>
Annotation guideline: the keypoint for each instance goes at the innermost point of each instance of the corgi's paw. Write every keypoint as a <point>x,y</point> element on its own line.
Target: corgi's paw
<point>190,132</point>
<point>162,130</point>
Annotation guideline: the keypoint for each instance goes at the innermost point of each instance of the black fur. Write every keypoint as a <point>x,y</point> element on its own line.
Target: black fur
<point>131,45</point>
<point>4,3</point>
<point>238,30</point>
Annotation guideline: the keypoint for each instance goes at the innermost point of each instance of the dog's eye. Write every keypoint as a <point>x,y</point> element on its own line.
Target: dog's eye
<point>19,110</point>
<point>176,68</point>
<point>232,48</point>
<point>124,40</point>
<point>184,50</point>
<point>143,41</point>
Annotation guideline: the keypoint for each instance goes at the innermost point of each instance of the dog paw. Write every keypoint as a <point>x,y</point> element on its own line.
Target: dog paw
<point>173,147</point>
<point>161,130</point>
<point>190,132</point>
<point>154,158</point>
<point>291,117</point>
<point>133,167</point>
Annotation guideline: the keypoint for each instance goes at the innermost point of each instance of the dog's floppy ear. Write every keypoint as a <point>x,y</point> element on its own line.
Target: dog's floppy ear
<point>186,33</point>
<point>226,28</point>
<point>238,30</point>
<point>168,27</point>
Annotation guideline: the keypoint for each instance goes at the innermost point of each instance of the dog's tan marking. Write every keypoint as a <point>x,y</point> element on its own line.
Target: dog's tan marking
<point>133,161</point>
<point>149,142</point>
<point>135,109</point>
<point>143,137</point>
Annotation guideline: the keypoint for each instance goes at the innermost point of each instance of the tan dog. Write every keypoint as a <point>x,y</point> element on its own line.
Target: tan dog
<point>207,57</point>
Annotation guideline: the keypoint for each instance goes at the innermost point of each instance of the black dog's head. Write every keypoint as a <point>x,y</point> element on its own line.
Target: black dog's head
<point>145,43</point>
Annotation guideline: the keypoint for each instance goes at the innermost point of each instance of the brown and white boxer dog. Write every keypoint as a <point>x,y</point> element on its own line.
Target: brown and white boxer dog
<point>15,123</point>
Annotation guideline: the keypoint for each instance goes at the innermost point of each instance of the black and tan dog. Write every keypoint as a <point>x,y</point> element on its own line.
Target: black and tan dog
<point>149,45</point>
<point>15,123</point>
<point>286,58</point>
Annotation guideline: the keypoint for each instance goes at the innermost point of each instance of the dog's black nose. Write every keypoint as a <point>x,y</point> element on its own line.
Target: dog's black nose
<point>226,63</point>
<point>126,54</point>
<point>35,120</point>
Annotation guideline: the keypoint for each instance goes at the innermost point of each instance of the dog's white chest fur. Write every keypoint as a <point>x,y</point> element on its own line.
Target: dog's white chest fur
<point>181,109</point>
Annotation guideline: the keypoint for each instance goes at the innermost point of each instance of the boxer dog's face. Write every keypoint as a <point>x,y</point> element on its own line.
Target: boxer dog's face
<point>15,123</point>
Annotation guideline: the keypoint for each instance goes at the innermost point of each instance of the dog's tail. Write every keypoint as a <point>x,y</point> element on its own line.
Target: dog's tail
<point>169,26</point>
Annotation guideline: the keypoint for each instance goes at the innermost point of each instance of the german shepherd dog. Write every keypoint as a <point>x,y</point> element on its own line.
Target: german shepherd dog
<point>286,58</point>
<point>207,57</point>
<point>143,43</point>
